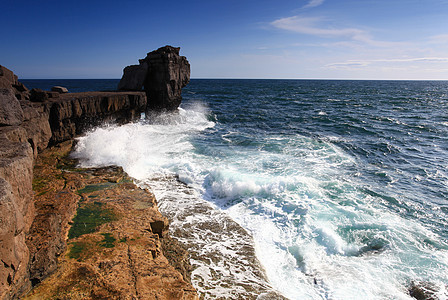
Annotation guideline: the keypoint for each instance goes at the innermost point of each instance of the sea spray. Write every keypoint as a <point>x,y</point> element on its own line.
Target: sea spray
<point>345,204</point>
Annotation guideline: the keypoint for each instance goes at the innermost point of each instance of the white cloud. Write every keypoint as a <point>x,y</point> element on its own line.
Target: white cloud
<point>313,26</point>
<point>313,3</point>
<point>308,25</point>
<point>365,63</point>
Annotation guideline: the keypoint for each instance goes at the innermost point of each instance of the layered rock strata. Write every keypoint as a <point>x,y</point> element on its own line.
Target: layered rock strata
<point>72,114</point>
<point>27,128</point>
<point>162,73</point>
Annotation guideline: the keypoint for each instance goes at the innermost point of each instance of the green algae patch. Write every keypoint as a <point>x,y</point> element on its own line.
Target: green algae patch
<point>87,246</point>
<point>95,187</point>
<point>89,217</point>
<point>78,250</point>
<point>108,241</point>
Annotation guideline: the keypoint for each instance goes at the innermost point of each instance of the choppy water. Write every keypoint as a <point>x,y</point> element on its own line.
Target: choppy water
<point>343,185</point>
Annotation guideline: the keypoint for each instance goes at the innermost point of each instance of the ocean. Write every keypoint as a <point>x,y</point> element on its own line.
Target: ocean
<point>340,187</point>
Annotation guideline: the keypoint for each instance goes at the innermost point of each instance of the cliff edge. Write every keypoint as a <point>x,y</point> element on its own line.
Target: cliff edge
<point>34,227</point>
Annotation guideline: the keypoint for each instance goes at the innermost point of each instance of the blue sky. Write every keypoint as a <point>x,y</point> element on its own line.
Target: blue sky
<point>328,39</point>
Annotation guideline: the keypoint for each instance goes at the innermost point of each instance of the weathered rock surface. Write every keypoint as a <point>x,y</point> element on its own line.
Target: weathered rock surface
<point>120,254</point>
<point>73,114</point>
<point>16,210</point>
<point>166,74</point>
<point>133,77</point>
<point>27,128</point>
<point>10,111</point>
<point>10,81</point>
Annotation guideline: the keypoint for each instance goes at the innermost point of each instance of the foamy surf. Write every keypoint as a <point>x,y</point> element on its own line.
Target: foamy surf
<point>320,231</point>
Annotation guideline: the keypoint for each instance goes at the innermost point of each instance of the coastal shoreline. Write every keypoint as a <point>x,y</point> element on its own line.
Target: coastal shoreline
<point>108,237</point>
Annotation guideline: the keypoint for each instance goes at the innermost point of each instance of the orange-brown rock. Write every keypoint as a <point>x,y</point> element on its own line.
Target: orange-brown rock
<point>120,256</point>
<point>16,210</point>
<point>27,128</point>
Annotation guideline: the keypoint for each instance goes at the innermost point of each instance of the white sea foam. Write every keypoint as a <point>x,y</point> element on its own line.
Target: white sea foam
<point>318,234</point>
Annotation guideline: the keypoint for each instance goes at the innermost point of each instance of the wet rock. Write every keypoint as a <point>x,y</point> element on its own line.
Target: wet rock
<point>10,111</point>
<point>424,291</point>
<point>163,73</point>
<point>59,89</point>
<point>120,257</point>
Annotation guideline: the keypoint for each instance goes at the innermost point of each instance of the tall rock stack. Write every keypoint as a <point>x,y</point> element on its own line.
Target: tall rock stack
<point>162,74</point>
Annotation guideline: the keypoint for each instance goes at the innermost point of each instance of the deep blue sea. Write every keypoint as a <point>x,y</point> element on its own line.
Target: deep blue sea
<point>343,185</point>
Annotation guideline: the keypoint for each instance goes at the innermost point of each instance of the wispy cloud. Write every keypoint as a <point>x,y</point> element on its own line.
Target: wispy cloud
<point>365,63</point>
<point>313,3</point>
<point>314,26</point>
<point>439,39</point>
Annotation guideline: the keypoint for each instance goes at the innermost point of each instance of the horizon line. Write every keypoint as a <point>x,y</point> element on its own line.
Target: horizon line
<point>234,78</point>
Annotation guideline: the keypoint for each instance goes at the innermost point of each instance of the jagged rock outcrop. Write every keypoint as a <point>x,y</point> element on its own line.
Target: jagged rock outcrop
<point>133,77</point>
<point>10,81</point>
<point>163,73</point>
<point>27,128</point>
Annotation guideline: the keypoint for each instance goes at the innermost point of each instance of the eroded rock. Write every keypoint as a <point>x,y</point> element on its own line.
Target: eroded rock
<point>10,111</point>
<point>10,81</point>
<point>119,256</point>
<point>73,114</point>
<point>133,77</point>
<point>163,73</point>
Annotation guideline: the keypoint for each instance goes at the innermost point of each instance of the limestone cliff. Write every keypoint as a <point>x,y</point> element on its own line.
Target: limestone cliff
<point>33,228</point>
<point>163,73</point>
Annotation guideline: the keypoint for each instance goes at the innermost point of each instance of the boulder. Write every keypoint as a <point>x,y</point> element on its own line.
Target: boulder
<point>163,74</point>
<point>10,111</point>
<point>133,77</point>
<point>59,89</point>
<point>423,290</point>
<point>38,95</point>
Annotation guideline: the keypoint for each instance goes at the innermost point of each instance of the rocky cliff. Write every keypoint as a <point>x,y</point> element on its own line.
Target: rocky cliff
<point>34,227</point>
<point>162,73</point>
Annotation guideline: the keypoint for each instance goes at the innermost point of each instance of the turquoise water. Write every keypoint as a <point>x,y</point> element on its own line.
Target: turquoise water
<point>342,184</point>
